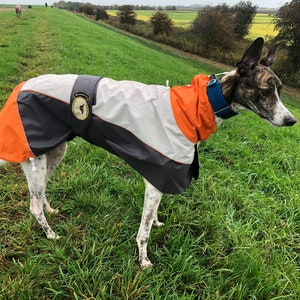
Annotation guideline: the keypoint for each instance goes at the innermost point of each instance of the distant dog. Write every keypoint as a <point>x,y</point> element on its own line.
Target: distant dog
<point>18,10</point>
<point>155,129</point>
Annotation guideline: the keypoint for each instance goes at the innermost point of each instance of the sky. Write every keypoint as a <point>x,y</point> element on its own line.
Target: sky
<point>259,3</point>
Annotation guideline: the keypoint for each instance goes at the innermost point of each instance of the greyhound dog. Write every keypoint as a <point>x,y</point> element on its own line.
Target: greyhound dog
<point>154,128</point>
<point>18,10</point>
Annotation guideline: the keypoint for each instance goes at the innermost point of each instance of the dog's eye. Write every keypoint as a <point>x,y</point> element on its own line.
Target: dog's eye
<point>266,92</point>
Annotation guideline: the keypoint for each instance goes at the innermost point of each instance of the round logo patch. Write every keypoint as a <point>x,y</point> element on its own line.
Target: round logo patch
<point>80,108</point>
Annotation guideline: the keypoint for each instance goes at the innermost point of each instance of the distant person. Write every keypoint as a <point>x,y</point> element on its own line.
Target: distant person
<point>46,4</point>
<point>18,10</point>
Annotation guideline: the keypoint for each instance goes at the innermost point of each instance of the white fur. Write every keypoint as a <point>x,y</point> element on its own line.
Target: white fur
<point>149,217</point>
<point>280,112</point>
<point>38,172</point>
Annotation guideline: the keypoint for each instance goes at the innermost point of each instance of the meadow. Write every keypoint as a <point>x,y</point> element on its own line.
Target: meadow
<point>263,24</point>
<point>234,234</point>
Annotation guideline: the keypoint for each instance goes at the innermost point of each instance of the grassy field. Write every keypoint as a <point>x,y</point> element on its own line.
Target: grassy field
<point>234,234</point>
<point>262,24</point>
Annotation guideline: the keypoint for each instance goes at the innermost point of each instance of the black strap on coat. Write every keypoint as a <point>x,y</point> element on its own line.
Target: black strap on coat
<point>83,97</point>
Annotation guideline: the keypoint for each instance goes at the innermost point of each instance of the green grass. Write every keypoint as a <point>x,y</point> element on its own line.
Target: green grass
<point>234,234</point>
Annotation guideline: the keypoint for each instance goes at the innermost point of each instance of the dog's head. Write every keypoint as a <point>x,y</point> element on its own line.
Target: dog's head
<point>254,86</point>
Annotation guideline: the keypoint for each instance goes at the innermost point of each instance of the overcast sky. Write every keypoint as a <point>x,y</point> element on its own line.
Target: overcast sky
<point>259,3</point>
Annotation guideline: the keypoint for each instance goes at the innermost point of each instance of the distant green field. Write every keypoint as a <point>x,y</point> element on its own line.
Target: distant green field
<point>262,25</point>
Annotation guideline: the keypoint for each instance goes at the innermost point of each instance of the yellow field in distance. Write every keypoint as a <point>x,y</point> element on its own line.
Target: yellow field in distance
<point>263,24</point>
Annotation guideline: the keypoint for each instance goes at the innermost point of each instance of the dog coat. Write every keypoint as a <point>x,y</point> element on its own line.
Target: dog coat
<point>155,129</point>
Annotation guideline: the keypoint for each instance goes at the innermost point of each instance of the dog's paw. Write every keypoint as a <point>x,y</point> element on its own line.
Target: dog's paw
<point>146,263</point>
<point>54,211</point>
<point>51,210</point>
<point>52,236</point>
<point>158,224</point>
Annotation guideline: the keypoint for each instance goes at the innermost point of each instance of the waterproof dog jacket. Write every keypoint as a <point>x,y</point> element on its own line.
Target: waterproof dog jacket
<point>154,128</point>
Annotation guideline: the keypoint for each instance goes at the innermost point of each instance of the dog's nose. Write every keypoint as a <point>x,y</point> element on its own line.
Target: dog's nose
<point>289,121</point>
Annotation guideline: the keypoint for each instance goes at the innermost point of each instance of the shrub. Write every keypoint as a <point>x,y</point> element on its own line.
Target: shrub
<point>127,15</point>
<point>161,23</point>
<point>214,28</point>
<point>87,9</point>
<point>244,14</point>
<point>101,14</point>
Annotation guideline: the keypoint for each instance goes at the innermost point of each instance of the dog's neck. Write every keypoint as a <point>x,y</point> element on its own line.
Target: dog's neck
<point>216,98</point>
<point>228,83</point>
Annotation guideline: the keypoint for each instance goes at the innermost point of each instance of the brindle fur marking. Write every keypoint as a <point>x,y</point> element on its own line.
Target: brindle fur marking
<point>251,86</point>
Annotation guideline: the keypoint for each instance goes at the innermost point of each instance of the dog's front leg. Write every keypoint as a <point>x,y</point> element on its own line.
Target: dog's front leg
<point>151,203</point>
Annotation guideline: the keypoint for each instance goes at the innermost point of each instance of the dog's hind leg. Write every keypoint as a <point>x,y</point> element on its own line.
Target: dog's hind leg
<point>54,157</point>
<point>151,203</point>
<point>36,172</point>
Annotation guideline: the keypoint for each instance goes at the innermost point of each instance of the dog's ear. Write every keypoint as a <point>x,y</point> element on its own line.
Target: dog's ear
<point>251,57</point>
<point>269,59</point>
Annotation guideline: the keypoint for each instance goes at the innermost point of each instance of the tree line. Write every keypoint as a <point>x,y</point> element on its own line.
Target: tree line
<point>217,32</point>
